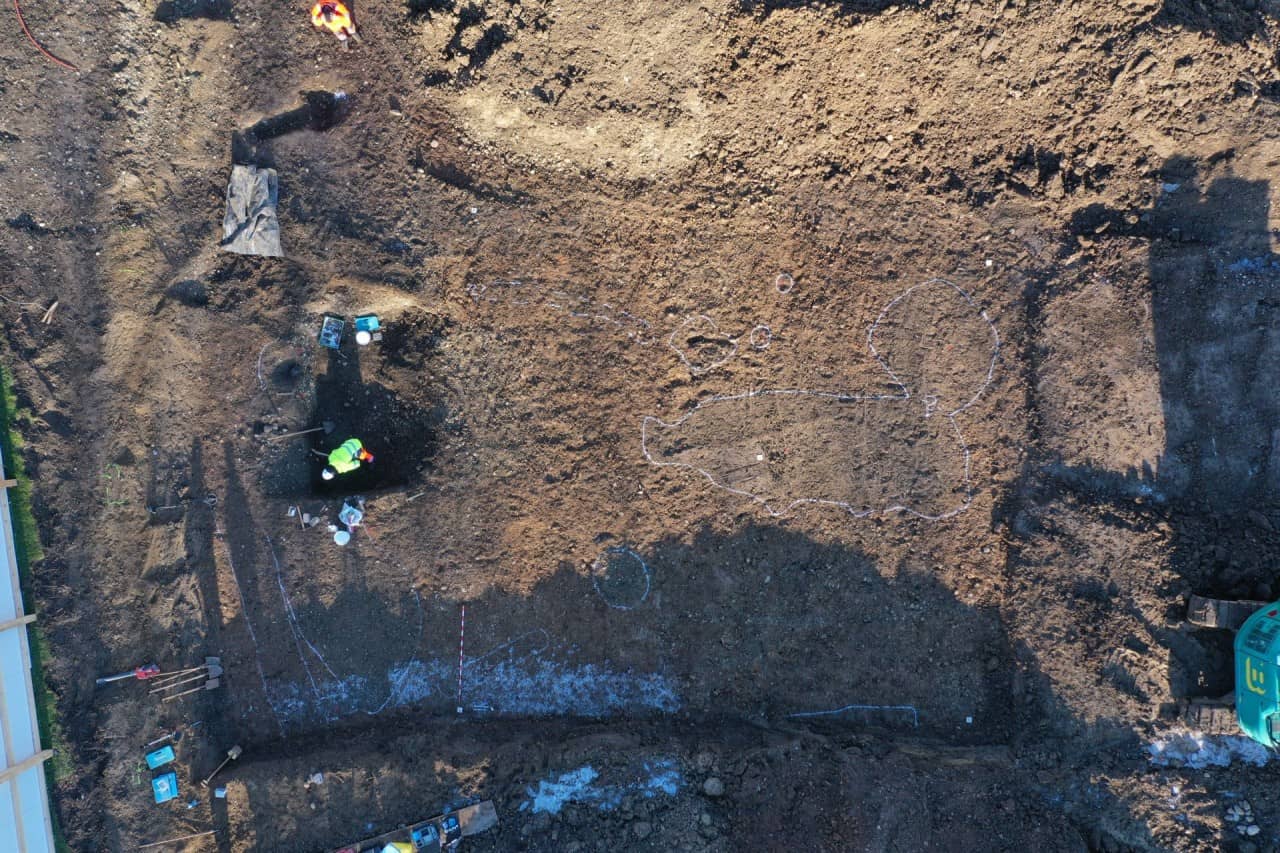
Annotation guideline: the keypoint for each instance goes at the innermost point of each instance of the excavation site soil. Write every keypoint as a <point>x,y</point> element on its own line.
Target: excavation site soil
<point>796,426</point>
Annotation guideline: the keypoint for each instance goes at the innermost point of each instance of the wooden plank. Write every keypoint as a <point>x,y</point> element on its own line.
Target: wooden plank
<point>8,484</point>
<point>477,818</point>
<point>22,766</point>
<point>15,623</point>
<point>471,820</point>
<point>10,557</point>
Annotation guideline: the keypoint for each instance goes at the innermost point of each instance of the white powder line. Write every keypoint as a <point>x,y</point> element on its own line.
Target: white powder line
<point>292,615</point>
<point>995,339</point>
<point>638,329</point>
<point>597,570</point>
<point>413,658</point>
<point>906,709</point>
<point>301,636</point>
<point>579,307</point>
<point>248,623</point>
<point>715,328</point>
<point>546,641</point>
<point>904,394</point>
<point>262,382</point>
<point>292,619</point>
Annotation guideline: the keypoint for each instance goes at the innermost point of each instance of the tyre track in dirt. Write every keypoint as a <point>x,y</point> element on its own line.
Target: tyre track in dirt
<point>52,165</point>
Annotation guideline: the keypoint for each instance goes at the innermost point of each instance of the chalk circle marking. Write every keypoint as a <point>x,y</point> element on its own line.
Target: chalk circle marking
<point>621,578</point>
<point>931,409</point>
<point>784,282</point>
<point>761,337</point>
<point>710,334</point>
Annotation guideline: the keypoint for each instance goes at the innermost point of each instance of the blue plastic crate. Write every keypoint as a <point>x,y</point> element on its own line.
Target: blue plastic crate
<point>331,329</point>
<point>165,787</point>
<point>160,757</point>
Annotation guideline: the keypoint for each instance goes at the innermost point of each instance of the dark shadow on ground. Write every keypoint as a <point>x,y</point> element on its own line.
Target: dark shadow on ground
<point>1215,307</point>
<point>764,8</point>
<point>261,629</point>
<point>747,631</point>
<point>173,11</point>
<point>428,7</point>
<point>319,111</point>
<point>1229,21</point>
<point>400,434</point>
<point>398,425</point>
<point>764,624</point>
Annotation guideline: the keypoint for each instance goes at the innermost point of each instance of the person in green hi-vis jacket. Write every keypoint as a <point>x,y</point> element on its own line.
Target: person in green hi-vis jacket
<point>345,458</point>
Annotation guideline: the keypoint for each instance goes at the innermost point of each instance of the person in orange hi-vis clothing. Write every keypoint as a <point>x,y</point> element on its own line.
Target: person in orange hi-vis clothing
<point>336,18</point>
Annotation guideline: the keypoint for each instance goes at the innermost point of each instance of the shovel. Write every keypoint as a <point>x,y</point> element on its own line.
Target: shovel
<point>327,426</point>
<point>141,673</point>
<point>232,754</point>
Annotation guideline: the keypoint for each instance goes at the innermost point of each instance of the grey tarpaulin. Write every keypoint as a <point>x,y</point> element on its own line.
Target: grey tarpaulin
<point>250,226</point>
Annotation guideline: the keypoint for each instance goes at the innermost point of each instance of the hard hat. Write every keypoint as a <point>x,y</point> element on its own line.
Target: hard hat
<point>342,537</point>
<point>363,338</point>
<point>328,473</point>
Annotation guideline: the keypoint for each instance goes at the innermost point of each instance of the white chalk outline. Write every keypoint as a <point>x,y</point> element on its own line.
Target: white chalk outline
<point>698,371</point>
<point>554,298</point>
<point>413,658</point>
<point>604,312</point>
<point>262,382</point>
<point>595,576</point>
<point>292,618</point>
<point>300,638</point>
<point>915,715</point>
<point>248,624</point>
<point>546,643</point>
<point>765,337</point>
<point>930,410</point>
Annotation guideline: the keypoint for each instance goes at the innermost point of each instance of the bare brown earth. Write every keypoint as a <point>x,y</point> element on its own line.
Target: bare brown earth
<point>663,561</point>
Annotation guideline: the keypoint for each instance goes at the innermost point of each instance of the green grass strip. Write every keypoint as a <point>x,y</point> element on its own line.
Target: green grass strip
<point>27,546</point>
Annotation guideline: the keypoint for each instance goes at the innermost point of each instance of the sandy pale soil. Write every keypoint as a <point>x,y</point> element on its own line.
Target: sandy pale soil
<point>820,412</point>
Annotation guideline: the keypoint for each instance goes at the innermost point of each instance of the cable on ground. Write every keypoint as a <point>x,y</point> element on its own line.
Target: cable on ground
<point>21,20</point>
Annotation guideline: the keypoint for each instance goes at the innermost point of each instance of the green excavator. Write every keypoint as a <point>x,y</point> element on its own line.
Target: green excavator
<point>1254,706</point>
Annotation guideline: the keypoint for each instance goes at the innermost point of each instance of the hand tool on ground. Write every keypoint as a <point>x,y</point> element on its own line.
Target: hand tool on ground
<point>327,427</point>
<point>210,672</point>
<point>176,840</point>
<point>232,754</point>
<point>141,673</point>
<point>175,736</point>
<point>209,500</point>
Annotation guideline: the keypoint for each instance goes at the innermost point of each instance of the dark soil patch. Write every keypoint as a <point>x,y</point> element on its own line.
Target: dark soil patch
<point>399,433</point>
<point>172,11</point>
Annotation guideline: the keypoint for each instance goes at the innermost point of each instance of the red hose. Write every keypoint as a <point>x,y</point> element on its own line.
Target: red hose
<point>38,45</point>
